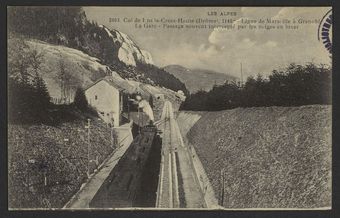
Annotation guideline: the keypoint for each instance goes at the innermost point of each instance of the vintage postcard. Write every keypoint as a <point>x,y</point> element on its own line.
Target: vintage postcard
<point>210,108</point>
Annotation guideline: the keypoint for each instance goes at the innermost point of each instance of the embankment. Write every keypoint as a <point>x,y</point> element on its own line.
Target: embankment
<point>274,157</point>
<point>48,164</point>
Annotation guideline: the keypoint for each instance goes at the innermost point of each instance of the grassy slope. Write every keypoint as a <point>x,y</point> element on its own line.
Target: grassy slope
<point>65,161</point>
<point>272,157</point>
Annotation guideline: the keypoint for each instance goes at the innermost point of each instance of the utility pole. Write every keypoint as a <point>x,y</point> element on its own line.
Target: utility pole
<point>111,128</point>
<point>111,135</point>
<point>241,76</point>
<point>28,181</point>
<point>222,188</point>
<point>128,108</point>
<point>88,147</point>
<point>139,120</point>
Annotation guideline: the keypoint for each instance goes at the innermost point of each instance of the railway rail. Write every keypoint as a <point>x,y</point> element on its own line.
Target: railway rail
<point>178,184</point>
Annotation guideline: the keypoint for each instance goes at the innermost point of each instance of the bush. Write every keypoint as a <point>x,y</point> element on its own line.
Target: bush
<point>28,103</point>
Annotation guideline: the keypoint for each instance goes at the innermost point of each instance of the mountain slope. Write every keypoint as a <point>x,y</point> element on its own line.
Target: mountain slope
<point>197,79</point>
<point>68,26</point>
<point>82,70</point>
<point>128,52</point>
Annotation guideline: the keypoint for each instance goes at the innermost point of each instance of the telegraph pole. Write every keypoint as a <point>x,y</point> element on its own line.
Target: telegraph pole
<point>139,120</point>
<point>111,128</point>
<point>222,188</point>
<point>111,135</point>
<point>241,75</point>
<point>88,147</point>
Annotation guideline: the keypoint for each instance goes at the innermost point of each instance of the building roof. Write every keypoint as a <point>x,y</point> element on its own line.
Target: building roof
<point>110,80</point>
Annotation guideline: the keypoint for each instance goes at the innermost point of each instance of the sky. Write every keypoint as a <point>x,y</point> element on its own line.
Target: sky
<point>222,50</point>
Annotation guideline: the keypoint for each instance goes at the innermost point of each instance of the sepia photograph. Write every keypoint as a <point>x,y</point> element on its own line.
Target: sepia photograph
<point>169,108</point>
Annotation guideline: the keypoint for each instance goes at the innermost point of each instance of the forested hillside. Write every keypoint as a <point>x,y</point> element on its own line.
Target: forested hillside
<point>295,85</point>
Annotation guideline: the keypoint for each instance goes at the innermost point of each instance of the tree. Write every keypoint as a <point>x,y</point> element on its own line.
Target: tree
<point>294,86</point>
<point>64,78</point>
<point>151,101</point>
<point>36,59</point>
<point>41,100</point>
<point>42,96</point>
<point>20,101</point>
<point>80,100</point>
<point>18,60</point>
<point>29,99</point>
<point>53,24</point>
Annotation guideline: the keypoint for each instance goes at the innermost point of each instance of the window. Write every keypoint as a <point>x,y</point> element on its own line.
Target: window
<point>96,97</point>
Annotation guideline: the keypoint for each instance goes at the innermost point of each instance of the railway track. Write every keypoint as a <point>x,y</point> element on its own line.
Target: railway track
<point>177,185</point>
